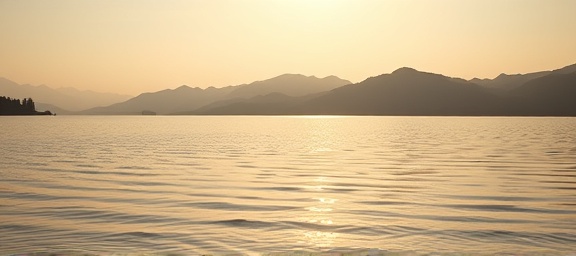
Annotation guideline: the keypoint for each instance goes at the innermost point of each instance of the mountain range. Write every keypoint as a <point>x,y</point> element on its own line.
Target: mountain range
<point>61,100</point>
<point>507,82</point>
<point>405,91</point>
<point>185,98</point>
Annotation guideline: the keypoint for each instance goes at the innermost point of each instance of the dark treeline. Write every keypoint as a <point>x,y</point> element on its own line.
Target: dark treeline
<point>9,106</point>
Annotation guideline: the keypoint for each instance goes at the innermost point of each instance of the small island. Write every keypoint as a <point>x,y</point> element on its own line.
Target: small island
<point>148,113</point>
<point>15,107</point>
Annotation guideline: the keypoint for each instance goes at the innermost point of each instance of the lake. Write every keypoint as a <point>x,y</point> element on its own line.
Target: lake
<point>287,184</point>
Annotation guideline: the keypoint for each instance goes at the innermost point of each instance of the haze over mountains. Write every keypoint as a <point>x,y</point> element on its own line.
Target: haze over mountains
<point>59,100</point>
<point>508,82</point>
<point>185,98</point>
<point>405,91</point>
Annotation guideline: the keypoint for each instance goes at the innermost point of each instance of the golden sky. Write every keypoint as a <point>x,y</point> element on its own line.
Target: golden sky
<point>134,46</point>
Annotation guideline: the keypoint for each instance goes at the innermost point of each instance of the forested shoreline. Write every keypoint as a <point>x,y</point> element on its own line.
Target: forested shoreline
<point>12,106</point>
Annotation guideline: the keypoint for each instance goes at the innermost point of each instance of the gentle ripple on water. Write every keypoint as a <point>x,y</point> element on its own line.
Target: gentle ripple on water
<point>197,185</point>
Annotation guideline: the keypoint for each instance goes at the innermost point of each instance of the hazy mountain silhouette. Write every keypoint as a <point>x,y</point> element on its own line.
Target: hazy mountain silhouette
<point>550,95</point>
<point>270,104</point>
<point>54,109</point>
<point>508,82</point>
<point>404,92</point>
<point>407,92</point>
<point>186,99</point>
<point>410,92</point>
<point>164,102</point>
<point>289,84</point>
<point>66,98</point>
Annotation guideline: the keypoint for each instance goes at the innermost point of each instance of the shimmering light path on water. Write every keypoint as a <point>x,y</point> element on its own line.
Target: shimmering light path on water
<point>157,184</point>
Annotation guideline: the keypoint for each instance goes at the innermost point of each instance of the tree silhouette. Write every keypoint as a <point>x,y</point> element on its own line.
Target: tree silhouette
<point>9,106</point>
<point>30,106</point>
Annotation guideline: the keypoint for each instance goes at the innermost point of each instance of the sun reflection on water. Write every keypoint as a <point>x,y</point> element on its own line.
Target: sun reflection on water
<point>320,214</point>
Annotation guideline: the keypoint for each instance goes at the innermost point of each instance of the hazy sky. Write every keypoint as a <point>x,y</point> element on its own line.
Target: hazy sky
<point>143,45</point>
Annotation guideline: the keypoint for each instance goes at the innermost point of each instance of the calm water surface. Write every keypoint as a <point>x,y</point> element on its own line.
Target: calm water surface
<point>195,185</point>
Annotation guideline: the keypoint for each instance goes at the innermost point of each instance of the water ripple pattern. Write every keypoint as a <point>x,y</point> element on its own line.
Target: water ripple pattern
<point>249,185</point>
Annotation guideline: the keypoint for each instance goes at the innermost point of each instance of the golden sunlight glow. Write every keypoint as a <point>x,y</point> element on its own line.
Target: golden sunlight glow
<point>139,46</point>
<point>320,213</point>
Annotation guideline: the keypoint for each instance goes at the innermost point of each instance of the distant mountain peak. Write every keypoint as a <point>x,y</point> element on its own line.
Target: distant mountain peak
<point>501,76</point>
<point>183,87</point>
<point>404,70</point>
<point>411,73</point>
<point>294,76</point>
<point>290,75</point>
